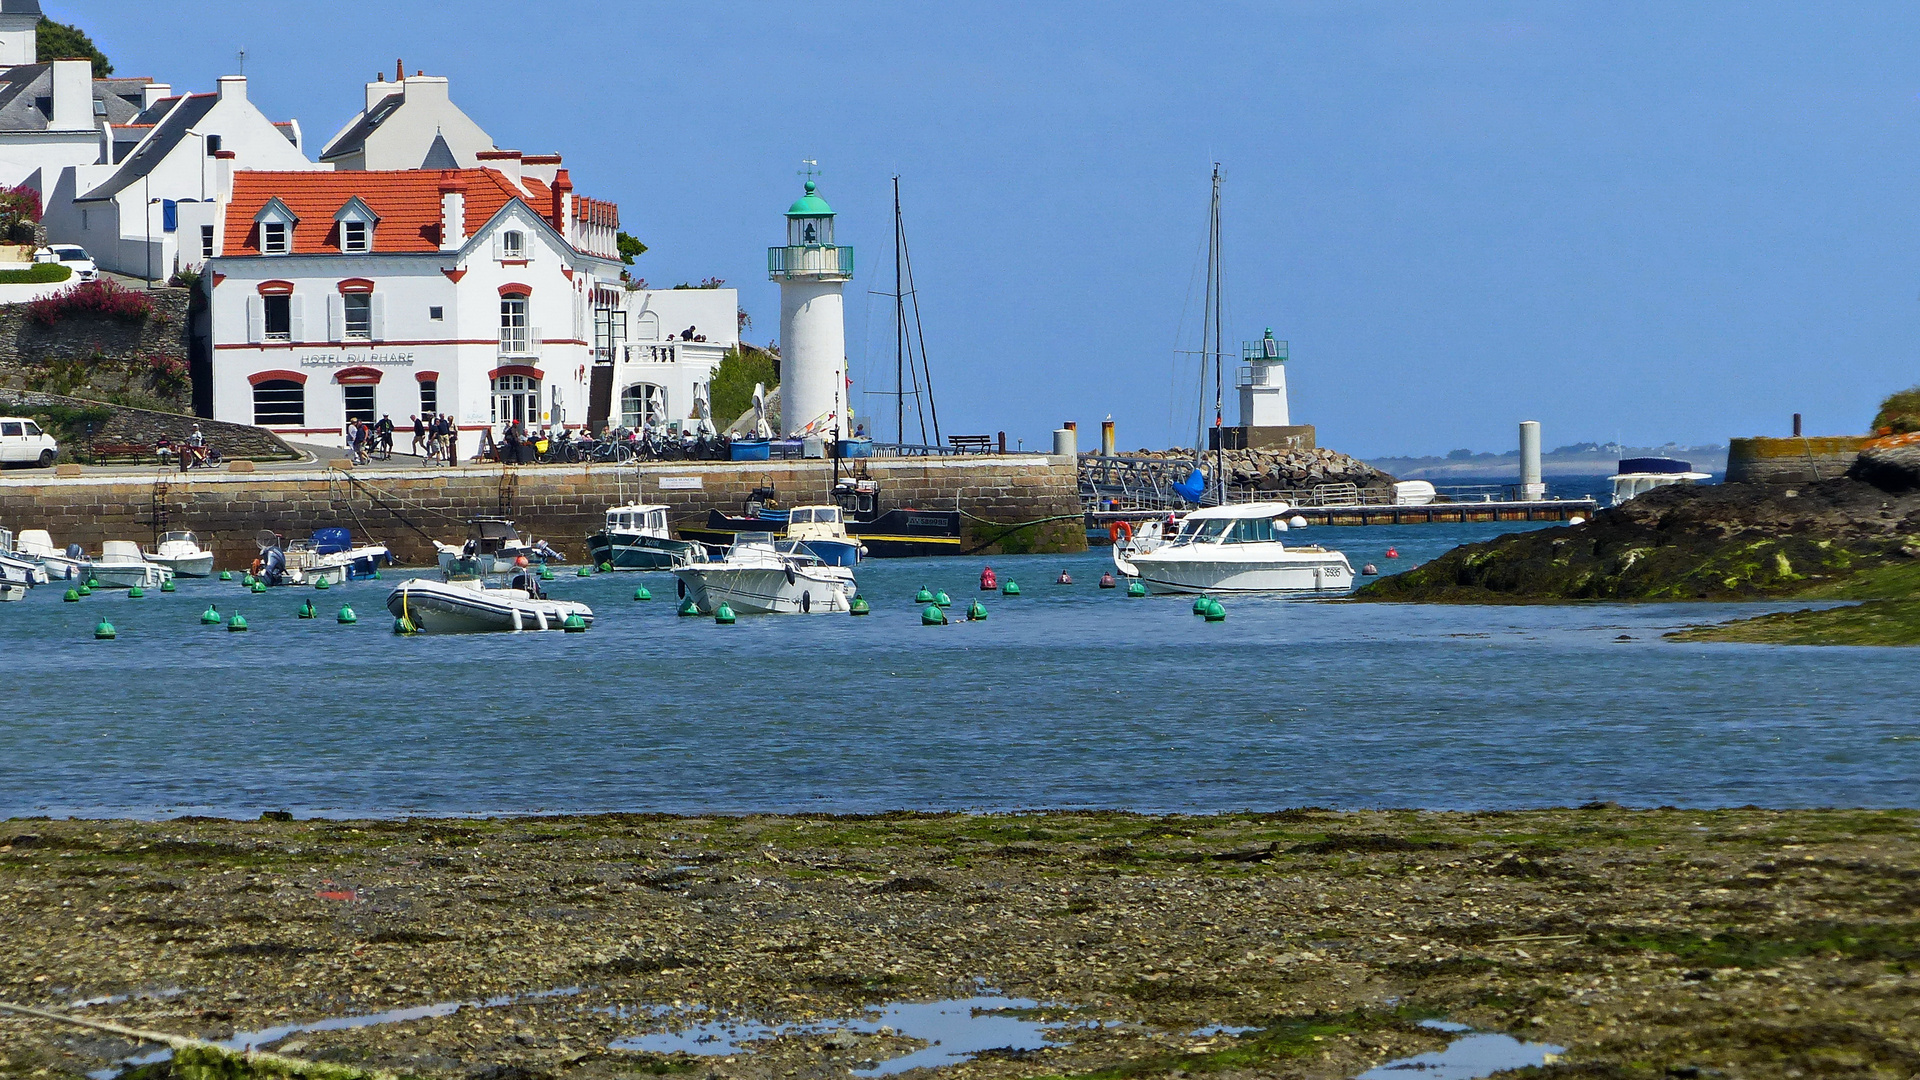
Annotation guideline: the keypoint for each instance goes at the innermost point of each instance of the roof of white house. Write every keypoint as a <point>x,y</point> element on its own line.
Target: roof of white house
<point>26,93</point>
<point>181,115</point>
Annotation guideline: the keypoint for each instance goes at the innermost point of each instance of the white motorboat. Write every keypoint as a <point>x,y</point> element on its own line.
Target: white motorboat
<point>328,555</point>
<point>760,577</point>
<point>180,552</point>
<point>1637,476</point>
<point>36,546</point>
<point>18,569</point>
<point>1233,548</point>
<point>638,537</point>
<point>122,565</point>
<point>466,604</point>
<point>496,547</point>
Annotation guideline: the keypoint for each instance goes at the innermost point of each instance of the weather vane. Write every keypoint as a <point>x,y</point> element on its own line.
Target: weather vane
<point>812,168</point>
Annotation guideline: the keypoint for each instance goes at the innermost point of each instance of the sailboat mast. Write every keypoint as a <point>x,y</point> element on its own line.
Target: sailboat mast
<point>899,328</point>
<point>1219,351</point>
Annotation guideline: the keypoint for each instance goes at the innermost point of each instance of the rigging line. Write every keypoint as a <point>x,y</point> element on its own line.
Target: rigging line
<point>933,404</point>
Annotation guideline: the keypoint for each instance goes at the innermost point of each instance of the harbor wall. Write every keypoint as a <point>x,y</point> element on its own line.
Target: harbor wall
<point>1793,460</point>
<point>407,509</point>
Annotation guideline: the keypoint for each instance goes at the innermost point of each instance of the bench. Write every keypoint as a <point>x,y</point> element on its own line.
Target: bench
<point>134,452</point>
<point>971,444</point>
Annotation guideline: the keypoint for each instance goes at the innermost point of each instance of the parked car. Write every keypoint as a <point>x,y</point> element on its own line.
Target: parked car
<point>22,442</point>
<point>73,256</point>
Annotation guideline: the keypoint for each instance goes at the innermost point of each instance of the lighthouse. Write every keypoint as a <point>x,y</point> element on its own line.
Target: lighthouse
<point>811,269</point>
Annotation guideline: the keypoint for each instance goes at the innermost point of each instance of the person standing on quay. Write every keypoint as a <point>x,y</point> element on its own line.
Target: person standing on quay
<point>419,434</point>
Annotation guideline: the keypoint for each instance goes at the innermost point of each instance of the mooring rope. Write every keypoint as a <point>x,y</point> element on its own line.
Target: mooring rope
<point>289,1066</point>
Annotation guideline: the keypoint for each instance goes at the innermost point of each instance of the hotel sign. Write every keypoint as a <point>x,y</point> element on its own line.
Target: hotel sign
<point>357,359</point>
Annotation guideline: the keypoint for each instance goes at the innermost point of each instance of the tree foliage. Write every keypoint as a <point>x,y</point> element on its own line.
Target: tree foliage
<point>630,246</point>
<point>58,41</point>
<point>731,391</point>
<point>1899,414</point>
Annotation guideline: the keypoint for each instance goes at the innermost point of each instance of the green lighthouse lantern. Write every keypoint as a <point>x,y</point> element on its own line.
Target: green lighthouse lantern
<point>810,221</point>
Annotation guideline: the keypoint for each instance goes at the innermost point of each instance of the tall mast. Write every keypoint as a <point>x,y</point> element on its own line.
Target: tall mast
<point>899,327</point>
<point>1219,379</point>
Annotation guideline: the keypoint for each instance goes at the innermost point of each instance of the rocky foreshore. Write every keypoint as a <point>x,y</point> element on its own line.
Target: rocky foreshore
<point>1282,470</point>
<point>1668,943</point>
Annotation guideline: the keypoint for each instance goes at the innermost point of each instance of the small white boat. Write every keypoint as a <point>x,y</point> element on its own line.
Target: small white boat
<point>122,565</point>
<point>466,604</point>
<point>1231,549</point>
<point>36,546</point>
<point>180,552</point>
<point>760,577</point>
<point>1637,476</point>
<point>18,569</point>
<point>496,547</point>
<point>10,590</point>
<point>638,537</point>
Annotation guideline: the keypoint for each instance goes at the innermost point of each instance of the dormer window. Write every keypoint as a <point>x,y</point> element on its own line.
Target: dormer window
<point>513,244</point>
<point>355,222</point>
<point>276,224</point>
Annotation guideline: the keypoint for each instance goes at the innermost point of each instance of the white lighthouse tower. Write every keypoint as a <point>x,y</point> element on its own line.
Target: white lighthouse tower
<point>811,268</point>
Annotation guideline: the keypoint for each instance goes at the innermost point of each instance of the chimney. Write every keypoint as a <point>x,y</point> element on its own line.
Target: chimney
<point>399,71</point>
<point>379,89</point>
<point>223,174</point>
<point>453,211</point>
<point>233,88</point>
<point>506,162</point>
<point>153,92</point>
<point>562,216</point>
<point>72,96</point>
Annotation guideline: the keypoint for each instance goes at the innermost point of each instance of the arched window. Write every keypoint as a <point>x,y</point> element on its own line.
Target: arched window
<point>516,397</point>
<point>647,327</point>
<point>280,402</point>
<point>514,338</point>
<point>643,405</point>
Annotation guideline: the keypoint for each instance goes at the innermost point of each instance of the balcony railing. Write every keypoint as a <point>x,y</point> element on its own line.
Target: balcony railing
<point>810,261</point>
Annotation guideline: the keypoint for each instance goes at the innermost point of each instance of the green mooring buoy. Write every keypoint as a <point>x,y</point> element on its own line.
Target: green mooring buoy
<point>346,616</point>
<point>1215,612</point>
<point>931,615</point>
<point>92,582</point>
<point>210,617</point>
<point>1011,588</point>
<point>1200,604</point>
<point>72,596</point>
<point>574,624</point>
<point>723,614</point>
<point>1136,588</point>
<point>585,571</point>
<point>167,586</point>
<point>924,596</point>
<point>136,593</point>
<point>941,598</point>
<point>321,582</point>
<point>404,625</point>
<point>103,631</point>
<point>246,581</point>
<point>237,623</point>
<point>976,611</point>
<point>641,593</point>
<point>546,573</point>
<point>688,607</point>
<point>306,609</point>
<point>859,606</point>
<point>258,586</point>
<point>606,567</point>
<point>226,575</point>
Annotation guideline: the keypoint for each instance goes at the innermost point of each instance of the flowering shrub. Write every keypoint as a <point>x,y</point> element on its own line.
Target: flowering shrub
<point>97,299</point>
<point>20,203</point>
<point>166,375</point>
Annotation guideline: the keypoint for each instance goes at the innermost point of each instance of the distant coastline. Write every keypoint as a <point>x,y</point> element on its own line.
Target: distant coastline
<point>1580,459</point>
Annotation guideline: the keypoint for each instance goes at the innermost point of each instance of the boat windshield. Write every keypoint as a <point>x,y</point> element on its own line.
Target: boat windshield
<point>1251,531</point>
<point>183,537</point>
<point>1203,531</point>
<point>801,517</point>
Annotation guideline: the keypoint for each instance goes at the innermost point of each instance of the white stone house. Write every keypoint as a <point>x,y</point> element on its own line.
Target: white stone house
<point>357,294</point>
<point>151,206</point>
<point>409,123</point>
<point>658,351</point>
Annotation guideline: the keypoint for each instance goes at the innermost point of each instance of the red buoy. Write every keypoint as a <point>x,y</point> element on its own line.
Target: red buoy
<point>987,581</point>
<point>1393,553</point>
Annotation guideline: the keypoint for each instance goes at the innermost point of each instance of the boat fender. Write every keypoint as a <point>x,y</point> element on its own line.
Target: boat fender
<point>806,602</point>
<point>790,577</point>
<point>516,619</point>
<point>1118,529</point>
<point>540,617</point>
<point>683,588</point>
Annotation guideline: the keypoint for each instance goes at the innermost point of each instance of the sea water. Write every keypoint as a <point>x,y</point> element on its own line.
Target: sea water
<point>1066,696</point>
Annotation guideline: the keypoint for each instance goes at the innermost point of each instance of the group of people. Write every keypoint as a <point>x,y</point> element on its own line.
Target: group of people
<point>437,437</point>
<point>364,439</point>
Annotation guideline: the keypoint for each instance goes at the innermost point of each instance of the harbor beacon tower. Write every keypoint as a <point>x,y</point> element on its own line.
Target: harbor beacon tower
<point>811,269</point>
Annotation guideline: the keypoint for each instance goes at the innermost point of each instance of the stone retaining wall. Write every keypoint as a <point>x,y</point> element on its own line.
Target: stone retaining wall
<point>562,504</point>
<point>1791,461</point>
<point>118,356</point>
<point>145,427</point>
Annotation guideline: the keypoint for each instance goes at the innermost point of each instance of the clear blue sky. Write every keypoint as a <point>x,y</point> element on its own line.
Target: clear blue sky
<point>1644,221</point>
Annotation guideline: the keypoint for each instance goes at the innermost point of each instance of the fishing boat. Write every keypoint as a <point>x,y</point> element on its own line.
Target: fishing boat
<point>180,552</point>
<point>637,537</point>
<point>122,565</point>
<point>469,601</point>
<point>328,555</point>
<point>899,533</point>
<point>820,530</point>
<point>1637,476</point>
<point>36,546</point>
<point>18,569</point>
<point>1233,548</point>
<point>760,576</point>
<point>496,547</point>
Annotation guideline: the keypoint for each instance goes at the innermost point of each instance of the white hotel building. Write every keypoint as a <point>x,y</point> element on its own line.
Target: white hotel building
<point>490,294</point>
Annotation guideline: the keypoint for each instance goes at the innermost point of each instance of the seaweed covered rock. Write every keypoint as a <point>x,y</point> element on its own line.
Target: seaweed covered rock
<point>1714,542</point>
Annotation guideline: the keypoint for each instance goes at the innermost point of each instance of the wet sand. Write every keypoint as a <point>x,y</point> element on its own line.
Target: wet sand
<point>1648,943</point>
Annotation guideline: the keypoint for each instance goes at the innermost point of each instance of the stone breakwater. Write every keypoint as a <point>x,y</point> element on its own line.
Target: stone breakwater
<point>1283,470</point>
<point>408,509</point>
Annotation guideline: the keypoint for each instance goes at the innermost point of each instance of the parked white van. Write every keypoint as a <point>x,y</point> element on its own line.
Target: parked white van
<point>23,443</point>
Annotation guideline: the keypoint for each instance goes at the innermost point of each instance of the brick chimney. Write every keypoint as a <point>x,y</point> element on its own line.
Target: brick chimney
<point>453,211</point>
<point>562,216</point>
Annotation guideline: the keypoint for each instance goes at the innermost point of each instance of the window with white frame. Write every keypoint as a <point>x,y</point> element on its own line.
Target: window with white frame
<point>513,244</point>
<point>359,315</point>
<point>429,396</point>
<point>274,237</point>
<point>355,236</point>
<point>514,338</point>
<point>277,316</point>
<point>516,397</point>
<point>206,241</point>
<point>643,405</point>
<point>359,402</point>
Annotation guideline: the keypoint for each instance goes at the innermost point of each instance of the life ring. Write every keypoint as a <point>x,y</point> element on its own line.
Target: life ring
<point>1118,529</point>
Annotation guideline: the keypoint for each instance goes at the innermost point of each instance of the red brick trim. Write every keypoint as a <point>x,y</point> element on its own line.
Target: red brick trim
<point>454,275</point>
<point>514,288</point>
<point>276,288</point>
<point>259,377</point>
<point>356,285</point>
<point>426,376</point>
<point>517,369</point>
<point>358,376</point>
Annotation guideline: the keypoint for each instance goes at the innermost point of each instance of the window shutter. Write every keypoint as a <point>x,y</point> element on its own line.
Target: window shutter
<point>377,316</point>
<point>256,320</point>
<point>336,317</point>
<point>579,317</point>
<point>534,340</point>
<point>499,246</point>
<point>297,317</point>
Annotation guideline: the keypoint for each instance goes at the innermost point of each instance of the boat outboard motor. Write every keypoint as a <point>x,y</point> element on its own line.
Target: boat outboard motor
<point>75,551</point>
<point>273,565</point>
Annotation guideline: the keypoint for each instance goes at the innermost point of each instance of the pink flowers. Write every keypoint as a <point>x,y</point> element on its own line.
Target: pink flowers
<point>97,299</point>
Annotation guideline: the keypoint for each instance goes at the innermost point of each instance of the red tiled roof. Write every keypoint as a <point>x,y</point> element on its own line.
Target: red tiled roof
<point>407,201</point>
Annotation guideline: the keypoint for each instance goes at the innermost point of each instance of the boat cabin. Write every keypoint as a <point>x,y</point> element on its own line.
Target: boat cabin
<point>490,536</point>
<point>1248,523</point>
<point>1637,476</point>
<point>637,518</point>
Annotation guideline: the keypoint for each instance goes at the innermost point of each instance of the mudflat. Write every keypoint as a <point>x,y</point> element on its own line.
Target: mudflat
<point>1649,943</point>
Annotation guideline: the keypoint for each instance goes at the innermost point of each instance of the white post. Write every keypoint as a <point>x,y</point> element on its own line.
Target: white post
<point>1531,486</point>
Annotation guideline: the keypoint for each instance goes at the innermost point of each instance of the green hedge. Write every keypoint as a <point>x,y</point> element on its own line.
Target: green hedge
<point>40,273</point>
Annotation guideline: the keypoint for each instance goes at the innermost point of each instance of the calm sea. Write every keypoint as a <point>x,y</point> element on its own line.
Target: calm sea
<point>1067,696</point>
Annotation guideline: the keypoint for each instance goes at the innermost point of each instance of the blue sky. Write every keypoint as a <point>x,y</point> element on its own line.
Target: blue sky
<point>1642,221</point>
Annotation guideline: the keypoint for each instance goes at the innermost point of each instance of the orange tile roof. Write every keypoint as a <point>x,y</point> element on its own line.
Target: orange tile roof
<point>407,201</point>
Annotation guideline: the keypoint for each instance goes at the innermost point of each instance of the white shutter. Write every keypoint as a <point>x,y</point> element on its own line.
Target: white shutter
<point>256,320</point>
<point>297,317</point>
<point>499,246</point>
<point>534,340</point>
<point>378,316</point>
<point>579,317</point>
<point>336,317</point>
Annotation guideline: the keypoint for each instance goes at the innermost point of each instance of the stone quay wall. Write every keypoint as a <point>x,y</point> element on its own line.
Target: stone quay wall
<point>1792,461</point>
<point>562,504</point>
